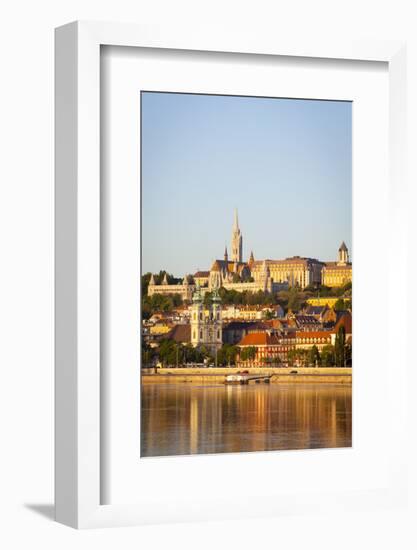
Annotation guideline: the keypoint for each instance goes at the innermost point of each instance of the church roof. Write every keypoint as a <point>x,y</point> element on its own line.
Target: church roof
<point>229,265</point>
<point>343,247</point>
<point>216,266</point>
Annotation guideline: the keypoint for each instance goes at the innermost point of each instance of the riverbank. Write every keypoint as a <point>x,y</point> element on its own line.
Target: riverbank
<point>217,375</point>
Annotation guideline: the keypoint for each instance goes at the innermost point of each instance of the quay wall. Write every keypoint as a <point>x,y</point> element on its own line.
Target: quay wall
<point>217,375</point>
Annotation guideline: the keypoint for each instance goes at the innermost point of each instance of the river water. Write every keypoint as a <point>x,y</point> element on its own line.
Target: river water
<point>183,419</point>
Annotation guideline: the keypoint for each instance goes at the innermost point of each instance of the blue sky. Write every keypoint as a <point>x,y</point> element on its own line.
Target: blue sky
<point>284,164</point>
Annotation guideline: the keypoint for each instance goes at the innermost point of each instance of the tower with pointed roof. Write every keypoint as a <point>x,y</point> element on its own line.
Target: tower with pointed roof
<point>236,241</point>
<point>343,255</point>
<point>206,321</point>
<point>226,256</point>
<point>251,259</point>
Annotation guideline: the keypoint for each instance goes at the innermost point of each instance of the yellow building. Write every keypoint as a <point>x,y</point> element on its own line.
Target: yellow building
<point>325,301</point>
<point>338,273</point>
<point>160,328</point>
<point>296,271</point>
<point>185,290</point>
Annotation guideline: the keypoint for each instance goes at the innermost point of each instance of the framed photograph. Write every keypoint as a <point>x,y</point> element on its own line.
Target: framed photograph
<point>228,213</point>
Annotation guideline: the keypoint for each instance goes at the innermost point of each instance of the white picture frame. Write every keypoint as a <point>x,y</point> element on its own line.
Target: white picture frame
<point>78,321</point>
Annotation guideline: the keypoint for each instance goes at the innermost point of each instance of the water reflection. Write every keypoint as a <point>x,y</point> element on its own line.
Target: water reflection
<point>179,419</point>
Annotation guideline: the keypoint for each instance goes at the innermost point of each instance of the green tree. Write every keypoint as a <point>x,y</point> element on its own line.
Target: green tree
<point>298,357</point>
<point>339,305</point>
<point>339,348</point>
<point>274,361</point>
<point>227,355</point>
<point>327,356</point>
<point>148,354</point>
<point>168,350</point>
<point>248,353</point>
<point>348,355</point>
<point>207,299</point>
<point>314,357</point>
<point>229,297</point>
<point>206,354</point>
<point>159,302</point>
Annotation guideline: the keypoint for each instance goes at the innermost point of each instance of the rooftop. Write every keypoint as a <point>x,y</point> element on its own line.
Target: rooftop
<point>180,333</point>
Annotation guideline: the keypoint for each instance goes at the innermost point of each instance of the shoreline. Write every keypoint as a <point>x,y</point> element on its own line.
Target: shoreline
<point>217,375</point>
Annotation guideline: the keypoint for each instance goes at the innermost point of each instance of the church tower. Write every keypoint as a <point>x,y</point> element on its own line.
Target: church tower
<point>197,318</point>
<point>343,257</point>
<point>206,321</point>
<point>236,241</point>
<point>251,259</point>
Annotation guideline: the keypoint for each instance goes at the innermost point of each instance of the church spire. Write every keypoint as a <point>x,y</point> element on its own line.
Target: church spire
<point>226,256</point>
<point>251,258</point>
<point>236,222</point>
<point>236,240</point>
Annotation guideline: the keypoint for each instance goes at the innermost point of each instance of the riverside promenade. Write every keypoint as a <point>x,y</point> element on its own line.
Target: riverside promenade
<point>216,375</point>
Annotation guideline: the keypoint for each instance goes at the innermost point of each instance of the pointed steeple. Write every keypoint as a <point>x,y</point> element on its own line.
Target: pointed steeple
<point>236,240</point>
<point>251,258</point>
<point>165,281</point>
<point>226,257</point>
<point>236,221</point>
<point>152,280</point>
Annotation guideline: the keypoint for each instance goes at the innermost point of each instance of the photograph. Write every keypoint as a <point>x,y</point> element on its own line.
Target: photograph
<point>246,274</point>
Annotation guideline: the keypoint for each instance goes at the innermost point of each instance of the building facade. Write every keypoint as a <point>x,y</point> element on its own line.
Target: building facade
<point>206,322</point>
<point>251,313</point>
<point>295,271</point>
<point>201,278</point>
<point>338,273</point>
<point>185,290</point>
<point>271,348</point>
<point>259,275</point>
